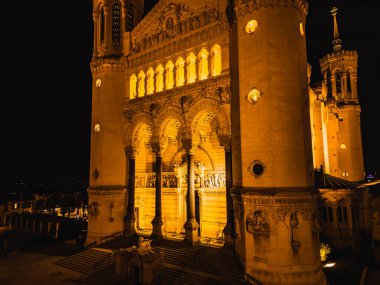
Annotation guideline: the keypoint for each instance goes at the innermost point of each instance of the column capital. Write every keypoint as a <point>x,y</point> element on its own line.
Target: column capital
<point>157,148</point>
<point>225,141</point>
<point>131,152</point>
<point>189,145</point>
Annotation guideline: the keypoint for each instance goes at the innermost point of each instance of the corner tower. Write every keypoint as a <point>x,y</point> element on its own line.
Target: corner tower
<point>107,185</point>
<point>275,201</point>
<point>343,150</point>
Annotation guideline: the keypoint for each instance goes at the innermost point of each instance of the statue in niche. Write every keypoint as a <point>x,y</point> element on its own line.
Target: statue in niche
<point>258,224</point>
<point>294,223</point>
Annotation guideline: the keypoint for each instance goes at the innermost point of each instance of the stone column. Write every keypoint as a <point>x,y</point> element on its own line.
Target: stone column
<point>229,230</point>
<point>130,219</point>
<point>157,221</point>
<point>191,225</point>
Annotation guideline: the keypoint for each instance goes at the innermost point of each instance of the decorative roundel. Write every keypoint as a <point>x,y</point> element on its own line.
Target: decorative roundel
<point>254,95</point>
<point>98,82</point>
<point>251,26</point>
<point>256,168</point>
<point>302,30</point>
<point>97,128</point>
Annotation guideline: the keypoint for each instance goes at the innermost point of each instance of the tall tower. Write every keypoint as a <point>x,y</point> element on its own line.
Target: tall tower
<point>343,152</point>
<point>108,163</point>
<point>275,201</point>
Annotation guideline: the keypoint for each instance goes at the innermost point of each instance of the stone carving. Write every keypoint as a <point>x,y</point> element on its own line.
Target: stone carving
<point>151,181</point>
<point>143,246</point>
<point>257,223</point>
<point>93,209</point>
<point>139,182</point>
<point>169,181</point>
<point>294,222</point>
<point>224,94</point>
<point>214,180</point>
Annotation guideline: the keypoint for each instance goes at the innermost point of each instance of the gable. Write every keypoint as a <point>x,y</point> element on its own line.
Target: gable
<point>166,14</point>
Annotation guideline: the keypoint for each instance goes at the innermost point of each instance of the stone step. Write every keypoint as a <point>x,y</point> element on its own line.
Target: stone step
<point>91,262</point>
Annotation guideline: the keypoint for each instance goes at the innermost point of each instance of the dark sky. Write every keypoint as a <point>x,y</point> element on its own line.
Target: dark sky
<point>46,106</point>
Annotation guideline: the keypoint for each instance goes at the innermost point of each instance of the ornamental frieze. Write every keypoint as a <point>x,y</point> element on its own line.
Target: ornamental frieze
<point>106,192</point>
<point>166,49</point>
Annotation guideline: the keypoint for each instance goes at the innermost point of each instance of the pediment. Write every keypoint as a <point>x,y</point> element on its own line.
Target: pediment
<point>165,15</point>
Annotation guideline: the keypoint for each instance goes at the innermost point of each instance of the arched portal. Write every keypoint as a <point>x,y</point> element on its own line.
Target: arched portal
<point>210,176</point>
<point>144,177</point>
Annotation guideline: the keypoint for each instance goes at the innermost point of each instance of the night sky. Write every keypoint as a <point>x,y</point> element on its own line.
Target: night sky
<point>46,97</point>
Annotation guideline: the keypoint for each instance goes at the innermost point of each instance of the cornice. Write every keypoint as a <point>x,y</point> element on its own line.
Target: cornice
<point>248,6</point>
<point>342,58</point>
<point>104,65</point>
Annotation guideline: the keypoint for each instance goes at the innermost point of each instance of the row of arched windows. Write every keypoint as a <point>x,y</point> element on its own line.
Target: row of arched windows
<point>338,75</point>
<point>181,72</point>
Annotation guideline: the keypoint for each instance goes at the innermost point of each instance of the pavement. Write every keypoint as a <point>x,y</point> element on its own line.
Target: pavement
<point>35,266</point>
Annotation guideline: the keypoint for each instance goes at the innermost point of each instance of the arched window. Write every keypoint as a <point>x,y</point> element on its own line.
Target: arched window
<point>216,60</point>
<point>348,77</point>
<point>141,84</point>
<point>328,83</point>
<point>150,81</point>
<point>169,78</point>
<point>338,82</point>
<point>132,86</point>
<point>203,64</point>
<point>180,72</point>
<point>116,25</point>
<point>102,24</point>
<point>159,78</point>
<point>191,68</point>
<point>130,18</point>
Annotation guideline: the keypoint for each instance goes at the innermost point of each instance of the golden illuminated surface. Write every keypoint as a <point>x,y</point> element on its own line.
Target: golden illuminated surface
<point>302,30</point>
<point>98,82</point>
<point>251,26</point>
<point>324,251</point>
<point>254,95</point>
<point>97,128</point>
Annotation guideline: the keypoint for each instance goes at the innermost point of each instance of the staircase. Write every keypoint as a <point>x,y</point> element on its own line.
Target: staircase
<point>92,262</point>
<point>200,265</point>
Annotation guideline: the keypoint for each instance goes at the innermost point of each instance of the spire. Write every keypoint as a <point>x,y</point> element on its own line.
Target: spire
<point>337,43</point>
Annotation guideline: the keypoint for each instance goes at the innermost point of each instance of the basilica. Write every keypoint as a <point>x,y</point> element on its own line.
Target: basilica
<point>205,124</point>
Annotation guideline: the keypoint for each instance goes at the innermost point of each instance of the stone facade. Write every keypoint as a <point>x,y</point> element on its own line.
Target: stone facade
<point>199,100</point>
